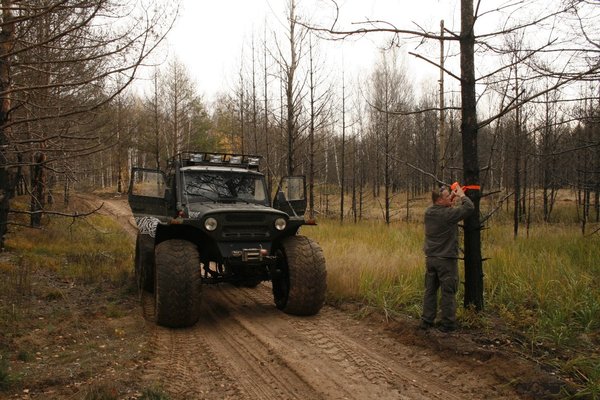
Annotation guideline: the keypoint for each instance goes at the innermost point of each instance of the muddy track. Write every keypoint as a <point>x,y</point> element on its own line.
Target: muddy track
<point>244,348</point>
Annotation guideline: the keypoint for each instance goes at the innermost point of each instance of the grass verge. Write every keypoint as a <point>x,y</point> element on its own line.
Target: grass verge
<point>69,312</point>
<point>542,290</point>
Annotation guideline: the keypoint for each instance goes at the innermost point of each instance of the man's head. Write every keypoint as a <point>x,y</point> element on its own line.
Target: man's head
<point>442,197</point>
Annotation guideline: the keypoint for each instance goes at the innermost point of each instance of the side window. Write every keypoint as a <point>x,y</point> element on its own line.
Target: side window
<point>147,183</point>
<point>259,190</point>
<point>293,188</point>
<point>291,196</point>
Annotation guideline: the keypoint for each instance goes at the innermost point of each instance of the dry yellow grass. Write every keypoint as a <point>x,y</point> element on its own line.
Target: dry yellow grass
<point>543,284</point>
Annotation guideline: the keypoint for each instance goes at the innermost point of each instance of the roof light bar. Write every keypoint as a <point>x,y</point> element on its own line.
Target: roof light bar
<point>215,158</point>
<point>196,158</point>
<point>202,158</point>
<point>252,160</point>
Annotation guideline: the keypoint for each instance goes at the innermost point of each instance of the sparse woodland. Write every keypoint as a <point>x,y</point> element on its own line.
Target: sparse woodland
<point>516,110</point>
<point>523,124</point>
<point>71,119</point>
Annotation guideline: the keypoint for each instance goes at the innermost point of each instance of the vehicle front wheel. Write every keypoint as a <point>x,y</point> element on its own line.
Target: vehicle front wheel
<point>300,279</point>
<point>177,287</point>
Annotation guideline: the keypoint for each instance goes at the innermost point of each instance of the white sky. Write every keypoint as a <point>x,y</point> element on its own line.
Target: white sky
<point>210,34</point>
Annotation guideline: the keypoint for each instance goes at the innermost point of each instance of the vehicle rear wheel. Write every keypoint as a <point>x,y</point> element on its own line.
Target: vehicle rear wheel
<point>177,287</point>
<point>300,281</point>
<point>144,262</point>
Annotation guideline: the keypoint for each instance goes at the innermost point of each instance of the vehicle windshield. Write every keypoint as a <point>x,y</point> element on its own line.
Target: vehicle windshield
<point>224,186</point>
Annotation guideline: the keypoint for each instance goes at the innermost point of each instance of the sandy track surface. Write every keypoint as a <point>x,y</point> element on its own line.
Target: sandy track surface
<point>244,348</point>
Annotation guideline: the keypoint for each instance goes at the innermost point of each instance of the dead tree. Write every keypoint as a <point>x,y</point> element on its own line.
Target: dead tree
<point>56,74</point>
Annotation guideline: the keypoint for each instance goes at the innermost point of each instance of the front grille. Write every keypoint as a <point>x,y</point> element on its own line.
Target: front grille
<point>245,232</point>
<point>245,217</point>
<point>246,226</point>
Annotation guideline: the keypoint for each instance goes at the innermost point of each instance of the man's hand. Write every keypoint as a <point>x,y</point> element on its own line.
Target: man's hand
<point>458,192</point>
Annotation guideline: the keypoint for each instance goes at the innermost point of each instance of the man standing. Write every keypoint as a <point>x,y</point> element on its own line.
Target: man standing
<point>441,252</point>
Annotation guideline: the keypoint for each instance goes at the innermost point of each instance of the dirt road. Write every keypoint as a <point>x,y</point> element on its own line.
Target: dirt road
<point>244,348</point>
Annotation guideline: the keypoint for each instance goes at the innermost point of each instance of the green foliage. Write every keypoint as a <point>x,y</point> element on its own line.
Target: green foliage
<point>588,368</point>
<point>549,280</point>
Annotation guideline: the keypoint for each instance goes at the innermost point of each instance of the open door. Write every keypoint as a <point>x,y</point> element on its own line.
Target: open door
<point>291,196</point>
<point>147,192</point>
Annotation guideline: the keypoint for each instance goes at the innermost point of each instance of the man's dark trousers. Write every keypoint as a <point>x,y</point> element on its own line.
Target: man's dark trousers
<point>441,273</point>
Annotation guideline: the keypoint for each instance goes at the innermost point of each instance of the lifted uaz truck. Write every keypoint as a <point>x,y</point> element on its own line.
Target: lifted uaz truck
<point>207,219</point>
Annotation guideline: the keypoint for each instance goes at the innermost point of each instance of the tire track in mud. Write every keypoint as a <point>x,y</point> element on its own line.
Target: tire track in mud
<point>345,363</point>
<point>182,363</point>
<point>238,364</point>
<point>244,348</point>
<point>355,358</point>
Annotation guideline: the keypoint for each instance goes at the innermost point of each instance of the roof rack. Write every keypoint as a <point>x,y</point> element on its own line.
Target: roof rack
<point>192,158</point>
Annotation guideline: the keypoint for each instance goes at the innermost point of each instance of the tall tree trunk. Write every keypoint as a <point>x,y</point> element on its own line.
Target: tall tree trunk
<point>38,189</point>
<point>289,91</point>
<point>517,165</point>
<point>442,141</point>
<point>473,259</point>
<point>7,37</point>
<point>156,114</point>
<point>311,139</point>
<point>343,152</point>
<point>266,118</point>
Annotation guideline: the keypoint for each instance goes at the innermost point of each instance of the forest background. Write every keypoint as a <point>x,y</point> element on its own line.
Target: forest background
<point>372,146</point>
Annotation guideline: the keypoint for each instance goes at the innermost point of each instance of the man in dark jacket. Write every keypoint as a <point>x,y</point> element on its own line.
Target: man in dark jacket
<point>441,252</point>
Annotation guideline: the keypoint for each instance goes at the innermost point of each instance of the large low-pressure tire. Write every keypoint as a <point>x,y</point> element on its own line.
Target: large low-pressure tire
<point>177,283</point>
<point>301,276</point>
<point>144,262</point>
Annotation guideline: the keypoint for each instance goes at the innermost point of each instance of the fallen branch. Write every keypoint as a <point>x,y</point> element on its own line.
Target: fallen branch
<point>75,215</point>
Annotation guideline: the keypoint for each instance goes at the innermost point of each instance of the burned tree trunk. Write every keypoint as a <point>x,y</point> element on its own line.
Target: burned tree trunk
<point>38,189</point>
<point>473,260</point>
<point>7,37</point>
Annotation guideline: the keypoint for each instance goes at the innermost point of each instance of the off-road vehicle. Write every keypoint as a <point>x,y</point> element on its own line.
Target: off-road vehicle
<point>207,219</point>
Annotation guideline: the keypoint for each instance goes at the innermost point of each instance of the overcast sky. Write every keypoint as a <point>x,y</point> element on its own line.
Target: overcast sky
<point>209,36</point>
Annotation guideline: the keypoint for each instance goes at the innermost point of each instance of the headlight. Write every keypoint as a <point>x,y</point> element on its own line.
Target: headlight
<point>280,224</point>
<point>210,224</point>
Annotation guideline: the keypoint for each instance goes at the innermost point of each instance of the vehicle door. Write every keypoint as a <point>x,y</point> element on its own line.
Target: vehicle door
<point>147,193</point>
<point>291,196</point>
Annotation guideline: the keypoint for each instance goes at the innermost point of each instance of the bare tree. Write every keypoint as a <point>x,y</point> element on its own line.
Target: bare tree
<point>292,84</point>
<point>319,99</point>
<point>70,52</point>
<point>180,95</point>
<point>569,64</point>
<point>390,96</point>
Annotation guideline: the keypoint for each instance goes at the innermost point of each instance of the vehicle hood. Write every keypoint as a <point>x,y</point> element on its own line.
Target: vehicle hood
<point>197,210</point>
